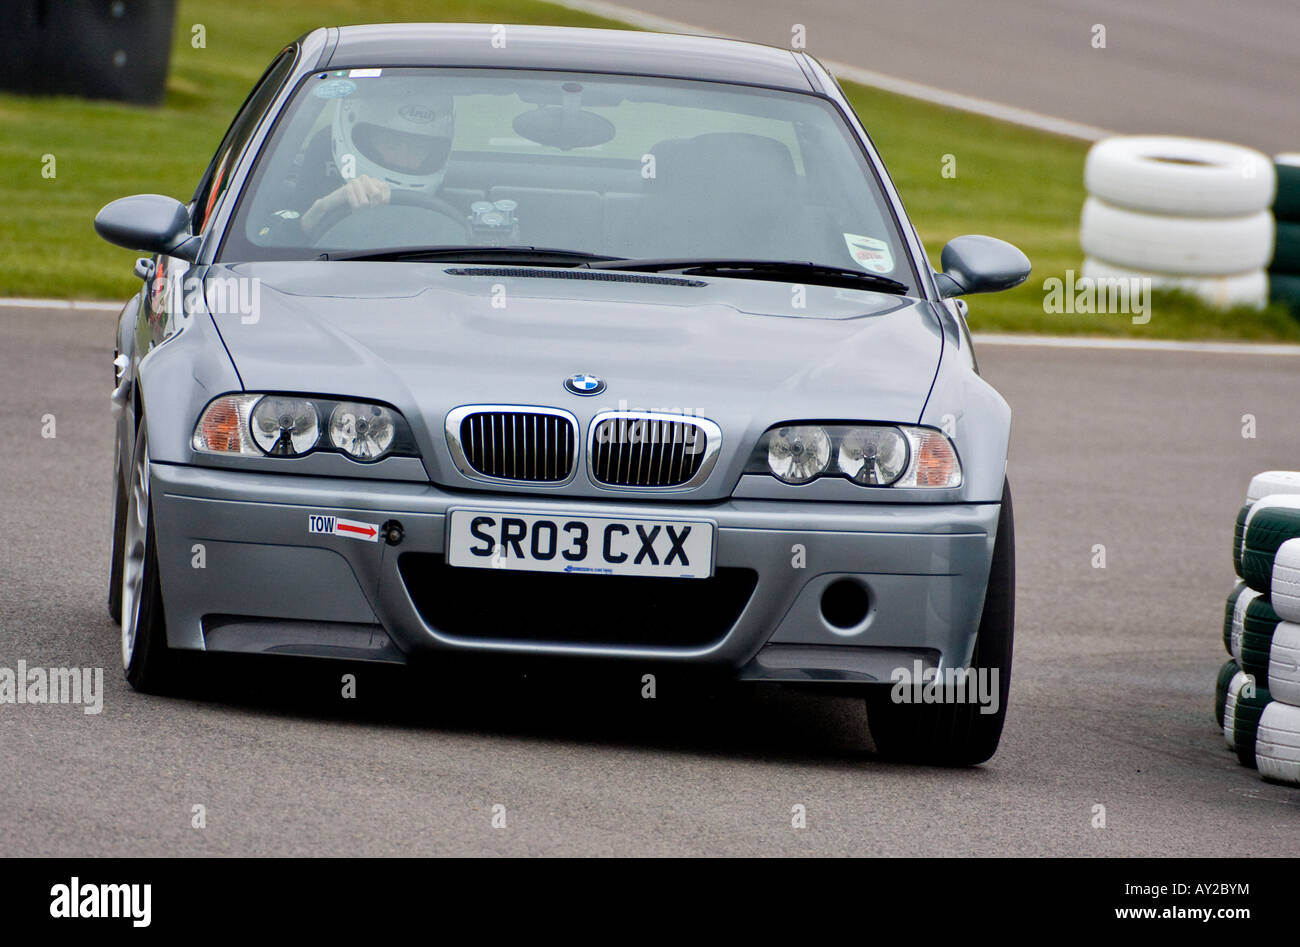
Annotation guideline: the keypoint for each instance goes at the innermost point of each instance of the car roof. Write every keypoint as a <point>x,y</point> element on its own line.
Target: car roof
<point>628,52</point>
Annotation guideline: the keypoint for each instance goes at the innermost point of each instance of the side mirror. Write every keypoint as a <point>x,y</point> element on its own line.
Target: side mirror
<point>979,264</point>
<point>149,222</point>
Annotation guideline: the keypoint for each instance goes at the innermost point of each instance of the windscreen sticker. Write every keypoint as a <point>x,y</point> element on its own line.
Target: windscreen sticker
<point>334,89</point>
<point>365,73</point>
<point>869,253</point>
<point>334,526</point>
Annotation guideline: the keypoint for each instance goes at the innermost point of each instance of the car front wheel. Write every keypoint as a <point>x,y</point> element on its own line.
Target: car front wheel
<point>960,734</point>
<point>146,660</point>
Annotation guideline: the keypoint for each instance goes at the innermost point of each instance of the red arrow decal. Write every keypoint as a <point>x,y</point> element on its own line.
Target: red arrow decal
<point>368,531</point>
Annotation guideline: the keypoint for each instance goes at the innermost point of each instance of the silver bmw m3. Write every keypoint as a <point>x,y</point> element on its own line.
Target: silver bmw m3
<point>578,343</point>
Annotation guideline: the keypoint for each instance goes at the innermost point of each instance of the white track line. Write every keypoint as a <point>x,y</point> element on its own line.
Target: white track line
<point>1146,345</point>
<point>868,77</point>
<point>981,338</point>
<point>61,304</point>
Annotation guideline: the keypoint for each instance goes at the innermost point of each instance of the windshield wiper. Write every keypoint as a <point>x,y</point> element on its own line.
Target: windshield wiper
<point>779,270</point>
<point>786,271</point>
<point>526,256</point>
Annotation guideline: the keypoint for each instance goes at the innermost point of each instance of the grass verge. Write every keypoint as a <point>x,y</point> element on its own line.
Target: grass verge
<point>1011,182</point>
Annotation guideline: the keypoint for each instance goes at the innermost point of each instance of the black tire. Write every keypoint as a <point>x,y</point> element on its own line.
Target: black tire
<point>1230,614</point>
<point>152,667</point>
<point>115,563</point>
<point>1246,726</point>
<point>1257,630</point>
<point>958,734</point>
<point>1226,673</point>
<point>1238,534</point>
<point>1269,528</point>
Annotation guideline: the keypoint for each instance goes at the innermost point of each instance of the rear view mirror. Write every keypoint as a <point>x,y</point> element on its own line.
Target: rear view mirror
<point>149,222</point>
<point>557,126</point>
<point>979,264</point>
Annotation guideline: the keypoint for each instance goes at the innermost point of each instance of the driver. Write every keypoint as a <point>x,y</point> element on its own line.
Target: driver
<point>390,133</point>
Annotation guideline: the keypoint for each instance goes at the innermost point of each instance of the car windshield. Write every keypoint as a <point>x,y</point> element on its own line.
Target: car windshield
<point>613,166</point>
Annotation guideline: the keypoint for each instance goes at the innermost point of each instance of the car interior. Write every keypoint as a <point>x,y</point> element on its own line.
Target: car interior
<point>714,194</point>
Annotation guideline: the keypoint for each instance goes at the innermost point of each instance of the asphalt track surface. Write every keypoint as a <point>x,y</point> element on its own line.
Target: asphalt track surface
<point>1141,452</point>
<point>1206,68</point>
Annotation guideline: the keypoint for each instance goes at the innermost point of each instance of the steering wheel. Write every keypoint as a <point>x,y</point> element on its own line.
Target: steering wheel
<point>397,197</point>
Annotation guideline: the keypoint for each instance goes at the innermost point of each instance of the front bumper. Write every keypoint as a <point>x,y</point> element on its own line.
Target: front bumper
<point>241,572</point>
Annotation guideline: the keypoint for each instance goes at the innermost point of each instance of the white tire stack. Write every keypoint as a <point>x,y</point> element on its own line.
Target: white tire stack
<point>1189,214</point>
<point>1260,712</point>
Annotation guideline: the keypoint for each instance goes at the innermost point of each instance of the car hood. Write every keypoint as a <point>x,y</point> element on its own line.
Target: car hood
<point>744,353</point>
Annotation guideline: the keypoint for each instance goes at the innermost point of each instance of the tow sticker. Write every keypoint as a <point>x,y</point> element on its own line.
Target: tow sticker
<point>869,253</point>
<point>334,526</point>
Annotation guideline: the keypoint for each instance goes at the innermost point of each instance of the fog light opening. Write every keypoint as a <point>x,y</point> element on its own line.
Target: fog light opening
<point>845,604</point>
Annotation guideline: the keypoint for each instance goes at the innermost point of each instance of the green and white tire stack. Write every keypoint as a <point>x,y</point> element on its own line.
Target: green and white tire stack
<point>1284,586</point>
<point>1234,616</point>
<point>1242,709</point>
<point>1271,522</point>
<point>1186,213</point>
<point>1257,693</point>
<point>1284,664</point>
<point>1268,483</point>
<point>1284,271</point>
<point>1257,628</point>
<point>1277,749</point>
<point>1227,674</point>
<point>1277,743</point>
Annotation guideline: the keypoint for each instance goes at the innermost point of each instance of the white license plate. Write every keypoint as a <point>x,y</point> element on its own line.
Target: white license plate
<point>580,544</point>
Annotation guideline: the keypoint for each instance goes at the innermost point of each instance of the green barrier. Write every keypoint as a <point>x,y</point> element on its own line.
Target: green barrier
<point>1286,253</point>
<point>1287,205</point>
<point>1285,288</point>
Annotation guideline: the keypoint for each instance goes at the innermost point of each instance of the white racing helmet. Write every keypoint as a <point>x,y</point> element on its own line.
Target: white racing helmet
<point>395,130</point>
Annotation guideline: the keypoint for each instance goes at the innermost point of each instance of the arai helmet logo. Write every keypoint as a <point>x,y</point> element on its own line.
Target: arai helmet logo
<point>419,114</point>
<point>584,384</point>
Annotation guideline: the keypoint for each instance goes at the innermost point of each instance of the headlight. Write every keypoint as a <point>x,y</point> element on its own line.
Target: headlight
<point>362,431</point>
<point>289,426</point>
<point>798,454</point>
<point>285,427</point>
<point>873,455</point>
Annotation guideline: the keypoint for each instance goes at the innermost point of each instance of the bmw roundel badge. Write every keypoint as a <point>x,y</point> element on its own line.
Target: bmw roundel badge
<point>584,384</point>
